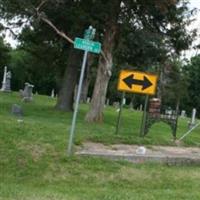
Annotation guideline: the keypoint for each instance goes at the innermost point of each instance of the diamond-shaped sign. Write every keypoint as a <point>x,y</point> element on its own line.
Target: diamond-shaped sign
<point>137,82</point>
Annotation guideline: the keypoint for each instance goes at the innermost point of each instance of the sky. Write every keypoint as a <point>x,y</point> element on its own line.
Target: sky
<point>195,24</point>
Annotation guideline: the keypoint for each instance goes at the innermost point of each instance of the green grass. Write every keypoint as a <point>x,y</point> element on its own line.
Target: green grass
<point>34,166</point>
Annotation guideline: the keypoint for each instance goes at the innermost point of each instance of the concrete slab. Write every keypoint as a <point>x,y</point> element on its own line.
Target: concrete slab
<point>166,154</point>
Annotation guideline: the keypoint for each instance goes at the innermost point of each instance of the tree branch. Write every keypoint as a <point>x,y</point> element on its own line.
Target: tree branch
<point>40,5</point>
<point>60,33</point>
<point>104,56</point>
<point>47,21</point>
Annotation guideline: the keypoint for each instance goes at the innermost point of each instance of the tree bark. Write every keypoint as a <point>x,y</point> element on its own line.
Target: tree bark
<point>87,79</point>
<point>66,93</point>
<point>84,93</point>
<point>95,113</point>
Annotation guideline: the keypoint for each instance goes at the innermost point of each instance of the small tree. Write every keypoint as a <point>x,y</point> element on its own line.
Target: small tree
<point>175,86</point>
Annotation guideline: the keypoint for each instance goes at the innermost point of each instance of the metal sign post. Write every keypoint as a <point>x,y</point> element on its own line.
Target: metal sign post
<point>88,46</point>
<point>144,116</point>
<point>71,137</point>
<point>137,82</point>
<point>120,113</point>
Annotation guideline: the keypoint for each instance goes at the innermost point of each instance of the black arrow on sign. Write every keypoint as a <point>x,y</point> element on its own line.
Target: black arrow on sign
<point>129,81</point>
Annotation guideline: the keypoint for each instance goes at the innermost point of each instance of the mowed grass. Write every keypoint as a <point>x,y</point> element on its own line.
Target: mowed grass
<point>33,162</point>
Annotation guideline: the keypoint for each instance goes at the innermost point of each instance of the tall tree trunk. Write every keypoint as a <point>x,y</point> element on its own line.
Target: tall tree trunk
<point>66,93</point>
<point>87,79</point>
<point>84,93</point>
<point>95,113</point>
<point>177,105</point>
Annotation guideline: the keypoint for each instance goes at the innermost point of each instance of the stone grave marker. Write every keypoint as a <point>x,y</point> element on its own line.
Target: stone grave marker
<point>124,101</point>
<point>193,118</point>
<point>183,113</point>
<point>27,93</point>
<point>17,110</point>
<point>107,102</point>
<point>53,94</point>
<point>6,83</point>
<point>88,100</point>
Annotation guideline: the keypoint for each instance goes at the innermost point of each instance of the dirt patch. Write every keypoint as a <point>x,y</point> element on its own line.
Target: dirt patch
<point>36,150</point>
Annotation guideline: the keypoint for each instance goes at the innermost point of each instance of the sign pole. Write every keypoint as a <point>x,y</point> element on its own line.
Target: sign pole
<point>120,113</point>
<point>71,137</point>
<point>142,129</point>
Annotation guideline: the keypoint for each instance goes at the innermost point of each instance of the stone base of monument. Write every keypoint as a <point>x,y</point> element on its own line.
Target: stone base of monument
<point>27,99</point>
<point>5,88</point>
<point>191,125</point>
<point>6,91</point>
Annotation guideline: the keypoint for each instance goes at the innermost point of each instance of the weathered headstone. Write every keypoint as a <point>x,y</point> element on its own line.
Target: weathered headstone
<point>168,112</point>
<point>4,79</point>
<point>124,101</point>
<point>193,119</point>
<point>107,102</point>
<point>6,83</point>
<point>141,107</point>
<point>88,100</point>
<point>27,93</point>
<point>53,94</point>
<point>183,113</point>
<point>116,104</point>
<point>17,110</point>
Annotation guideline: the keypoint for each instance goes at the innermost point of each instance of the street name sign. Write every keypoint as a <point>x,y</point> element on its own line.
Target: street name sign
<point>137,82</point>
<point>87,45</point>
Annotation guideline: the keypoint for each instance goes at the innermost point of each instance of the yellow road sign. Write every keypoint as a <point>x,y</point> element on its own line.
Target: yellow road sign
<point>137,82</point>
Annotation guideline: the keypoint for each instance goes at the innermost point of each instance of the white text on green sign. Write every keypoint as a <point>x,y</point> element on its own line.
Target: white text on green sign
<point>87,45</point>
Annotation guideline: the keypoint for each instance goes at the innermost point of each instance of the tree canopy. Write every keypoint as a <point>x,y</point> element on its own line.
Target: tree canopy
<point>140,34</point>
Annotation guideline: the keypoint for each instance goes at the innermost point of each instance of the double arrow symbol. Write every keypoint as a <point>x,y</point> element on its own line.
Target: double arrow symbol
<point>145,83</point>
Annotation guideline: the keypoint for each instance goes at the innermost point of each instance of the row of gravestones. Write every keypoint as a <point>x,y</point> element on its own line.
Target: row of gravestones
<point>26,93</point>
<point>168,112</point>
<point>27,96</point>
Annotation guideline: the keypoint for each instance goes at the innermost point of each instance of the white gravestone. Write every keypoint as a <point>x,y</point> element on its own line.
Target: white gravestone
<point>4,79</point>
<point>193,119</point>
<point>183,113</point>
<point>53,94</point>
<point>6,83</point>
<point>88,100</point>
<point>124,101</point>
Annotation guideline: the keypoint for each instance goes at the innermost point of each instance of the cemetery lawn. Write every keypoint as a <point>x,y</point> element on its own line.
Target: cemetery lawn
<point>34,166</point>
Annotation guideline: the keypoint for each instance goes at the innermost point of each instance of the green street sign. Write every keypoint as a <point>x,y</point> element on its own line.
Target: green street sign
<point>87,45</point>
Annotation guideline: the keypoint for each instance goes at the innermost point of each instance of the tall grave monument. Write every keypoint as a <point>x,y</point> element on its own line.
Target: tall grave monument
<point>6,83</point>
